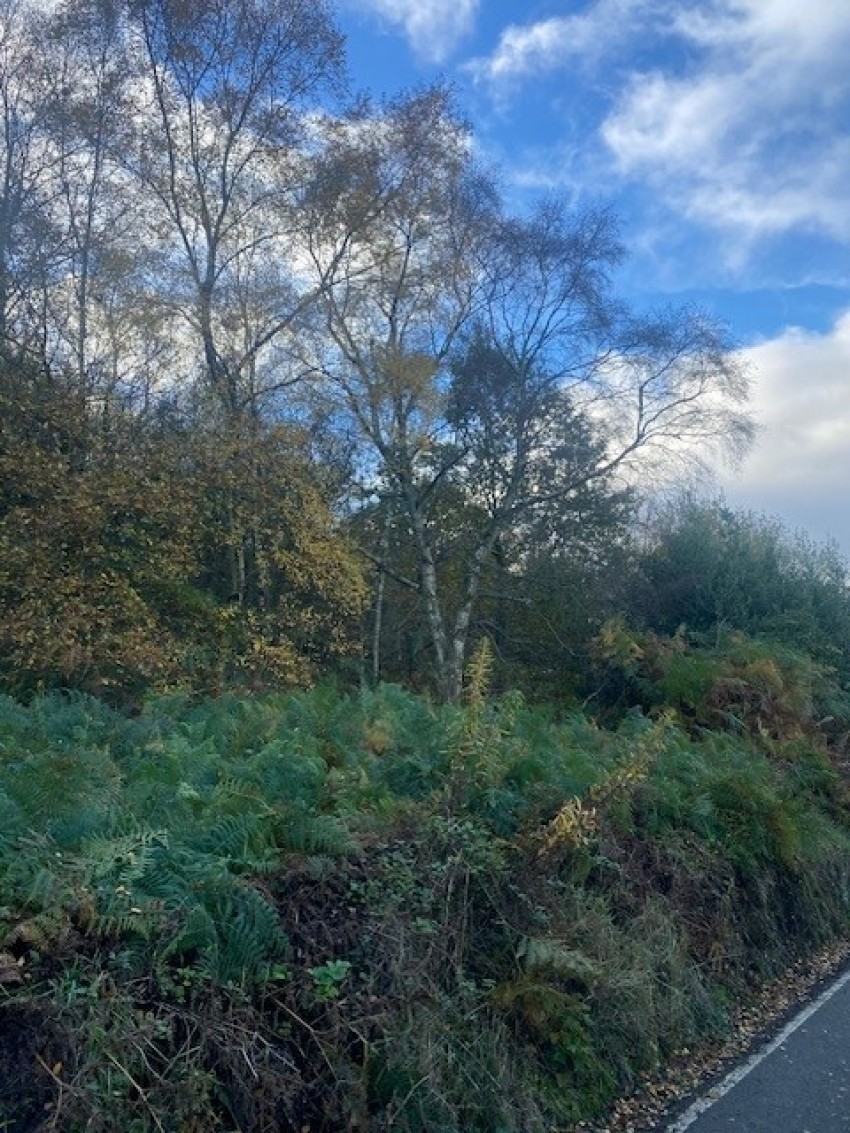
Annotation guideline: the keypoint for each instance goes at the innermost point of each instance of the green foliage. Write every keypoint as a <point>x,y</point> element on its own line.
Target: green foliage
<point>158,844</point>
<point>725,681</point>
<point>328,978</point>
<point>708,567</point>
<point>335,909</point>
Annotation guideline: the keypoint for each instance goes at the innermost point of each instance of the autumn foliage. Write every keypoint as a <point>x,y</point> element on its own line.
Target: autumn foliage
<point>118,539</point>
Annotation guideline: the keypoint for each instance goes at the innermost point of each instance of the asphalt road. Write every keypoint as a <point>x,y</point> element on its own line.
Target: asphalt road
<point>798,1083</point>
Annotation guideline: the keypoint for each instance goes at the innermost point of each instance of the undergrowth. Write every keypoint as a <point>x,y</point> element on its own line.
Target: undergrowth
<point>332,912</point>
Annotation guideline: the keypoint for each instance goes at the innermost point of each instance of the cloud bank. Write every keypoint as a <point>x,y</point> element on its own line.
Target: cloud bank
<point>750,137</point>
<point>800,466</point>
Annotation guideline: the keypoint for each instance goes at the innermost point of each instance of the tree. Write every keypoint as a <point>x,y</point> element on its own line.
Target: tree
<point>98,219</point>
<point>218,148</point>
<point>488,355</point>
<point>709,568</point>
<point>27,237</point>
<point>294,607</point>
<point>72,251</point>
<point>114,575</point>
<point>172,206</point>
<point>398,218</point>
<point>96,535</point>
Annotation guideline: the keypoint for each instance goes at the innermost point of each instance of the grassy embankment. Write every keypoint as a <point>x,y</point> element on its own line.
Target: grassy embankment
<point>328,912</point>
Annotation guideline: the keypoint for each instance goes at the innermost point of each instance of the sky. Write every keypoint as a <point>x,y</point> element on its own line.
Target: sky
<point>719,131</point>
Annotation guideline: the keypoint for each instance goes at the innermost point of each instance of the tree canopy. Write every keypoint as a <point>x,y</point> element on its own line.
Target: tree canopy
<point>264,343</point>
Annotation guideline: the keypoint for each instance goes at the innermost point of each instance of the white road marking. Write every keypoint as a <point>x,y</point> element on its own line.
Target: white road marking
<point>740,1072</point>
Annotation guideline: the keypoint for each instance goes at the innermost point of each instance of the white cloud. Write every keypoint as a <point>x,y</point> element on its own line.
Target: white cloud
<point>748,138</point>
<point>528,50</point>
<point>736,116</point>
<point>433,27</point>
<point>800,466</point>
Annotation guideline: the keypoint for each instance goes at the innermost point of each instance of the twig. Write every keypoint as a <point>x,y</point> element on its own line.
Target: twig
<point>403,1103</point>
<point>312,1031</point>
<point>59,1083</point>
<point>141,1092</point>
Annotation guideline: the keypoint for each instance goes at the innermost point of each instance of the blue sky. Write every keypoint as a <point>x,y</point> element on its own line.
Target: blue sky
<point>719,130</point>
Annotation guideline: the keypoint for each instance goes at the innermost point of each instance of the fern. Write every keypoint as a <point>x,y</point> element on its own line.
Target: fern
<point>227,933</point>
<point>307,833</point>
<point>13,820</point>
<point>250,938</point>
<point>474,744</point>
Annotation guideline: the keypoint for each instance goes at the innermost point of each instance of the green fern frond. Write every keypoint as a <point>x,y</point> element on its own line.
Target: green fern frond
<point>250,937</point>
<point>196,935</point>
<point>240,838</point>
<point>303,832</point>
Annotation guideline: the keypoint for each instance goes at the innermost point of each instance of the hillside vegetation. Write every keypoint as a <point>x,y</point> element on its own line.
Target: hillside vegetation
<point>332,911</point>
<point>371,758</point>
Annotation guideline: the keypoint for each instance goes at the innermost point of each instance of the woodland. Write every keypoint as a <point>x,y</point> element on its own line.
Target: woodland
<point>383,745</point>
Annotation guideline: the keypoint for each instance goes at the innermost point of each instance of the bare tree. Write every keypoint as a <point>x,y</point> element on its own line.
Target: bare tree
<point>218,147</point>
<point>27,241</point>
<point>95,212</point>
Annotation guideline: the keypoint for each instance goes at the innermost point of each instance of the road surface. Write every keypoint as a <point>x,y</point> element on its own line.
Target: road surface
<point>798,1083</point>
